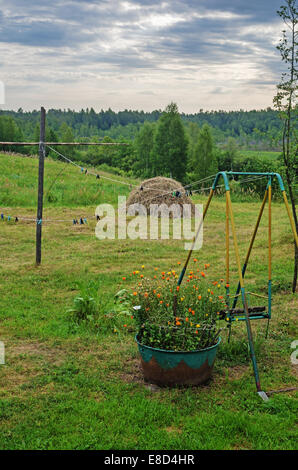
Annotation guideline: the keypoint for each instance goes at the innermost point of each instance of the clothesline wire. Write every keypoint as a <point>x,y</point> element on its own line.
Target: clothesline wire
<point>163,193</point>
<point>55,179</point>
<point>174,191</point>
<point>91,172</point>
<point>84,218</point>
<point>124,182</point>
<point>34,219</point>
<point>223,185</point>
<point>208,188</point>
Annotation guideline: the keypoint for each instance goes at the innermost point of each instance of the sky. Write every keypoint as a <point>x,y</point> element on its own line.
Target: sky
<point>140,54</point>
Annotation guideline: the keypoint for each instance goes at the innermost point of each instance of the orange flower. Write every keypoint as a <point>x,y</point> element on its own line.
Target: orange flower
<point>195,260</point>
<point>161,301</point>
<point>177,288</point>
<point>186,319</point>
<point>141,275</point>
<point>135,293</point>
<point>189,309</point>
<point>178,323</point>
<point>154,291</point>
<point>125,326</point>
<point>163,273</point>
<point>167,305</point>
<point>146,294</point>
<point>193,312</point>
<point>158,295</point>
<point>124,278</point>
<point>199,297</point>
<point>197,332</point>
<point>227,285</point>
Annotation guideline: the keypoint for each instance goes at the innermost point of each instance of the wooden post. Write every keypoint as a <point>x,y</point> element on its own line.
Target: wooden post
<point>40,184</point>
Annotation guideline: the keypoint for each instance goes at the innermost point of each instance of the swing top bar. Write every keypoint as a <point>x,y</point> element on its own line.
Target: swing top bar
<point>226,174</point>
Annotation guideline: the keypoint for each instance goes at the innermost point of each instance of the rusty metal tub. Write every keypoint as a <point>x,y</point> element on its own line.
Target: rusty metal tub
<point>169,368</point>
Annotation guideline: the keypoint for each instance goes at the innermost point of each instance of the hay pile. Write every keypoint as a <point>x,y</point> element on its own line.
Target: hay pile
<point>159,191</point>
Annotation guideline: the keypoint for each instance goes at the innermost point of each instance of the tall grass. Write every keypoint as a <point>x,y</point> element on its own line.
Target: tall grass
<point>19,178</point>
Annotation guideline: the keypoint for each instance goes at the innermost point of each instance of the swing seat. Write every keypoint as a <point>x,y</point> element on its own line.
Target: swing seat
<point>233,314</point>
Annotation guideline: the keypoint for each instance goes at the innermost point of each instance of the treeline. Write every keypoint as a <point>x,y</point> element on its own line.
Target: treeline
<point>169,147</point>
<point>187,148</point>
<point>252,129</point>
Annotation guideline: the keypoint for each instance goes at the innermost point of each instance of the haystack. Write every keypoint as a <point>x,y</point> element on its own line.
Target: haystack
<point>158,195</point>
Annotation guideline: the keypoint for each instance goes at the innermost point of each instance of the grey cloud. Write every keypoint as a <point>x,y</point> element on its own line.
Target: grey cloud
<point>73,33</point>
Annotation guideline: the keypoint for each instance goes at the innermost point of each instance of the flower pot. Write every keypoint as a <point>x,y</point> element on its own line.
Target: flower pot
<point>170,368</point>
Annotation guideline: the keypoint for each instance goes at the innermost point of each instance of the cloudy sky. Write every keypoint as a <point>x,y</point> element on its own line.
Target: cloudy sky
<point>139,54</point>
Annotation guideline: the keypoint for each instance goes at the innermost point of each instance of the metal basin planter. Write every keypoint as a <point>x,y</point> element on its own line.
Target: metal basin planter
<point>171,368</point>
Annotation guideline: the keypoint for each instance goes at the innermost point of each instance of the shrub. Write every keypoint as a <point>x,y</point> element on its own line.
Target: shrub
<point>169,317</point>
<point>84,309</point>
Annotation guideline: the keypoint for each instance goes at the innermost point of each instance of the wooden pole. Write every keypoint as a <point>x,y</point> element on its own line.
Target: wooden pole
<point>40,184</point>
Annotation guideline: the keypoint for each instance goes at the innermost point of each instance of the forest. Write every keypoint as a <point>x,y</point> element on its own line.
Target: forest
<point>168,143</point>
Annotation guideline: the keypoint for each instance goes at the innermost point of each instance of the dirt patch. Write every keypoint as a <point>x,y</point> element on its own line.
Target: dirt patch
<point>133,372</point>
<point>294,371</point>
<point>236,373</point>
<point>173,430</point>
<point>32,350</point>
<point>24,361</point>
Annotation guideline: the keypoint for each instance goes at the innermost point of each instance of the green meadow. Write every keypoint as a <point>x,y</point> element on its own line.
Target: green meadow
<point>260,154</point>
<point>66,385</point>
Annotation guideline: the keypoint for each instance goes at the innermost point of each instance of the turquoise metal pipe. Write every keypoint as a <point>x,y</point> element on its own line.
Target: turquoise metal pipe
<point>226,180</point>
<point>269,297</point>
<point>277,175</point>
<point>245,264</point>
<point>250,340</point>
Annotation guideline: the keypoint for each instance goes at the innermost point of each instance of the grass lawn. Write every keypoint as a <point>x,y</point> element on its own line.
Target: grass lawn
<point>262,154</point>
<point>65,386</point>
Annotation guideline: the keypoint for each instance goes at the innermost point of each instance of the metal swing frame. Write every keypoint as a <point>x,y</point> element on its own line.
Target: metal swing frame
<point>246,314</point>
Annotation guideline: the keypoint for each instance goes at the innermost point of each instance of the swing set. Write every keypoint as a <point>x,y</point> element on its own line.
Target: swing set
<point>246,313</point>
